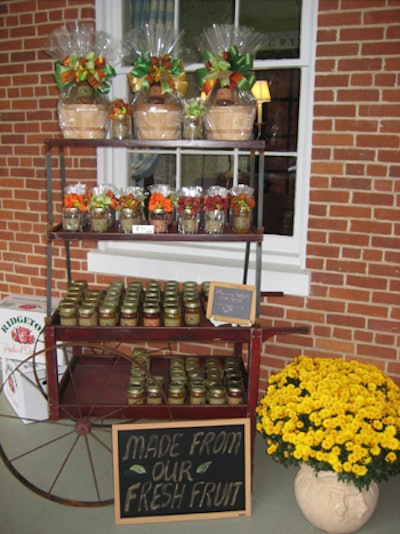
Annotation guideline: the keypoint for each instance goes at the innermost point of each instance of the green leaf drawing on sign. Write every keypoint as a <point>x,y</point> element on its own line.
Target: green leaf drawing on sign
<point>139,469</point>
<point>202,468</point>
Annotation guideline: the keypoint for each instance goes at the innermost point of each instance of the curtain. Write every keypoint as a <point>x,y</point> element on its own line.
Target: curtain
<point>153,12</point>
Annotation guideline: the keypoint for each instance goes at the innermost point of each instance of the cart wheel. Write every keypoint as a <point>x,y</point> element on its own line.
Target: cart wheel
<point>68,461</point>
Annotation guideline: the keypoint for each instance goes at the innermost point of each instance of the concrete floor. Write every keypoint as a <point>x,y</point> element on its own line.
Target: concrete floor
<point>274,509</point>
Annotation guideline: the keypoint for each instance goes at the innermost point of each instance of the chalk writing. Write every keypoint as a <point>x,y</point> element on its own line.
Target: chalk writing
<point>180,470</point>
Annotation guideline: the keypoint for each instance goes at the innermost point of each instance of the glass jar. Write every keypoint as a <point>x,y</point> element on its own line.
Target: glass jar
<point>235,393</point>
<point>192,128</point>
<point>151,315</point>
<point>216,394</point>
<point>159,219</point>
<point>214,222</point>
<point>72,220</point>
<point>135,394</point>
<point>197,393</point>
<point>172,316</point>
<point>121,127</point>
<point>128,314</point>
<point>99,219</point>
<point>192,309</point>
<point>87,315</point>
<point>108,315</point>
<point>176,393</point>
<point>241,221</point>
<point>153,394</point>
<point>68,314</point>
<point>188,223</point>
<point>127,218</point>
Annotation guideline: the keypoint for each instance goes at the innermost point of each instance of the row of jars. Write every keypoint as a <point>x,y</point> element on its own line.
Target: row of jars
<point>190,381</point>
<point>134,305</point>
<point>103,210</point>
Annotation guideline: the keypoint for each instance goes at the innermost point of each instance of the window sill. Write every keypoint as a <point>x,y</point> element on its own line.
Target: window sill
<point>163,263</point>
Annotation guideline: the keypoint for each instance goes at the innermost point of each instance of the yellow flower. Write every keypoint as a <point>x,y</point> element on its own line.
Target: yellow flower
<point>391,457</point>
<point>333,414</point>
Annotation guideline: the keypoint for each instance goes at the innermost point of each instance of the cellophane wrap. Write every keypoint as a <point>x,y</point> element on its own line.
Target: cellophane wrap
<point>227,79</point>
<point>84,70</point>
<point>157,80</point>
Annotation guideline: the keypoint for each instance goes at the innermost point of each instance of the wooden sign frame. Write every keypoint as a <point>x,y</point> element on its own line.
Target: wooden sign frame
<point>225,311</point>
<point>155,464</point>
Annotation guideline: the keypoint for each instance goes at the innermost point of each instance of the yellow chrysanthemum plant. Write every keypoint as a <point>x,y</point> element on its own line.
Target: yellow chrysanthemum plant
<point>334,415</point>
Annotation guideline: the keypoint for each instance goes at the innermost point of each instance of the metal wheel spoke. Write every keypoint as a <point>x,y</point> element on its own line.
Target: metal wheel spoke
<point>64,463</point>
<point>92,468</point>
<point>45,444</point>
<point>77,439</point>
<point>101,442</point>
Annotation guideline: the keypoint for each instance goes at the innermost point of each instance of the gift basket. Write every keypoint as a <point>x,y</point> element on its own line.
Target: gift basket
<point>83,76</point>
<point>157,80</point>
<point>227,79</point>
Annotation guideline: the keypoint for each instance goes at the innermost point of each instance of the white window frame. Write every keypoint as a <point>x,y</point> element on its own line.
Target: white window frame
<point>283,258</point>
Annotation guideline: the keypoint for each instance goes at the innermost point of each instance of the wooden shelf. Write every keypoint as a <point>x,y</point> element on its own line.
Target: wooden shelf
<point>57,232</point>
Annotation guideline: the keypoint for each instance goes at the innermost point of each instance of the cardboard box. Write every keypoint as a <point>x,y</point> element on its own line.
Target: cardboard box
<point>23,387</point>
<point>22,319</point>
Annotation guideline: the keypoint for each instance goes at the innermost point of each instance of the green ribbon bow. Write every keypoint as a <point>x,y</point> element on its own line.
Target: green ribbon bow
<point>229,69</point>
<point>148,70</point>
<point>90,68</point>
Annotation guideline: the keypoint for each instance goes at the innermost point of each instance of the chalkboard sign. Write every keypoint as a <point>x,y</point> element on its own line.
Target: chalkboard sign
<point>181,470</point>
<point>232,303</point>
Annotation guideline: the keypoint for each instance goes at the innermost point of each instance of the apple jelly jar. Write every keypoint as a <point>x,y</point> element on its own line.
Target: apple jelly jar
<point>192,309</point>
<point>135,394</point>
<point>68,315</point>
<point>151,315</point>
<point>172,316</point>
<point>176,393</point>
<point>128,314</point>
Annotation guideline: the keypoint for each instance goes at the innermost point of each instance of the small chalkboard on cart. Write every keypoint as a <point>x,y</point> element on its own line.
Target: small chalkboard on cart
<point>184,470</point>
<point>232,303</point>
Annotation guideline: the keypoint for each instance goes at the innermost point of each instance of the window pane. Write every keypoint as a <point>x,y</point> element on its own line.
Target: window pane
<point>279,125</point>
<point>280,24</point>
<point>195,16</point>
<point>279,192</point>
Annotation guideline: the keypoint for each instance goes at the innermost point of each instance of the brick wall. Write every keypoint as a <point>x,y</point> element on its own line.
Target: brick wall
<point>353,241</point>
<point>28,103</point>
<point>353,249</point>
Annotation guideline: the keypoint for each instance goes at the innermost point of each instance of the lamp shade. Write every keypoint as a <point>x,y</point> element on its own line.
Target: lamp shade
<point>261,92</point>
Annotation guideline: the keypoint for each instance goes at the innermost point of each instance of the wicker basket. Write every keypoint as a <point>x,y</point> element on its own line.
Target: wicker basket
<point>83,121</point>
<point>157,121</point>
<point>230,123</point>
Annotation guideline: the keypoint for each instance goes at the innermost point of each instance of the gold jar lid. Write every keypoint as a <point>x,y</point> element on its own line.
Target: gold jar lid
<point>172,310</point>
<point>192,304</point>
<point>135,388</point>
<point>176,387</point>
<point>129,307</point>
<point>67,310</point>
<point>108,308</point>
<point>87,311</point>
<point>153,388</point>
<point>151,308</point>
<point>198,387</point>
<point>217,391</point>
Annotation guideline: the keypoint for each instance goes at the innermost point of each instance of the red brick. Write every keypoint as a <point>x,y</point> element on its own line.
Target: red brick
<point>381,16</point>
<point>353,125</point>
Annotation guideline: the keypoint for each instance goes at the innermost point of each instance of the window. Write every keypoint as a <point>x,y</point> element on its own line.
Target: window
<point>287,63</point>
